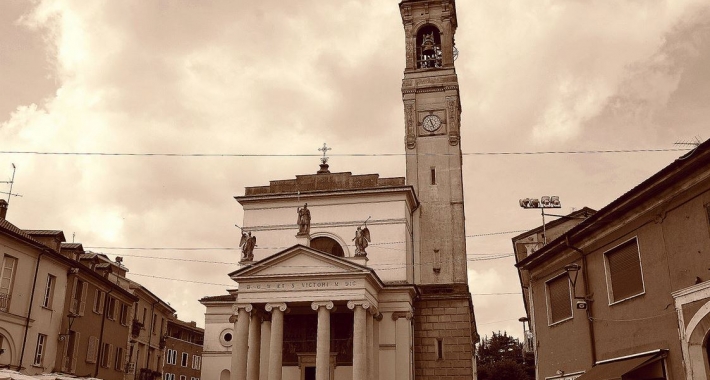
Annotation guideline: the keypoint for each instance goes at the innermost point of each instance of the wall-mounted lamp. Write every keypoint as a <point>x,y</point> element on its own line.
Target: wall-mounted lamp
<point>71,317</point>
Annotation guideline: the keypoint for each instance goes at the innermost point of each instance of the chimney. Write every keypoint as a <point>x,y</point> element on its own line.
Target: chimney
<point>3,208</point>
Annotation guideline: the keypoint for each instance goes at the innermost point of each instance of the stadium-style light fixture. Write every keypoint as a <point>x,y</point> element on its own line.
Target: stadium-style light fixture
<point>547,201</point>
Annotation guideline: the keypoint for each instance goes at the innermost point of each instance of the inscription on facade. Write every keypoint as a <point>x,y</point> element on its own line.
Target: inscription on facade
<point>302,285</point>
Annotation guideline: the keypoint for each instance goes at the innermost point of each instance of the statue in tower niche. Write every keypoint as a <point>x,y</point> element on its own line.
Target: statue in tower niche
<point>247,244</point>
<point>304,220</point>
<point>361,239</point>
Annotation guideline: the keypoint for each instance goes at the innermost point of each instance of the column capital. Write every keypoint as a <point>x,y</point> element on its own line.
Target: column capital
<point>278,305</point>
<point>402,314</point>
<point>246,306</point>
<point>315,305</point>
<point>378,316</point>
<point>233,318</point>
<point>362,303</point>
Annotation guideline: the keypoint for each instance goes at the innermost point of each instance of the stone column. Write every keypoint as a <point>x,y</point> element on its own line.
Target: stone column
<point>359,338</point>
<point>402,344</point>
<point>277,339</point>
<point>265,346</point>
<point>370,340</point>
<point>254,346</point>
<point>241,341</point>
<point>323,344</point>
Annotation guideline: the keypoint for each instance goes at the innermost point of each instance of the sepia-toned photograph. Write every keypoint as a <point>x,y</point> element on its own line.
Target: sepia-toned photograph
<point>351,190</point>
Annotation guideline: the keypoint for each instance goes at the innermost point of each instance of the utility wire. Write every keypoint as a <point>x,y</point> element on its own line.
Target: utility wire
<point>126,154</point>
<point>232,285</point>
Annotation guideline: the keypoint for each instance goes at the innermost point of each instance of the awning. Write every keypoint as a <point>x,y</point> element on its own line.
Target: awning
<point>615,370</point>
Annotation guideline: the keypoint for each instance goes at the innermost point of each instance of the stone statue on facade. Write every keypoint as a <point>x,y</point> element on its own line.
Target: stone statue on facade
<point>247,244</point>
<point>304,220</point>
<point>361,239</point>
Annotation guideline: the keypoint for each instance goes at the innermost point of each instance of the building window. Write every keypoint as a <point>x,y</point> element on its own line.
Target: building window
<point>78,298</point>
<point>118,360</point>
<point>183,377</point>
<point>439,348</point>
<point>106,355</point>
<point>92,350</point>
<point>9,265</point>
<point>99,297</point>
<point>171,357</point>
<point>39,350</point>
<point>152,325</point>
<point>433,176</point>
<point>624,276</point>
<point>183,361</point>
<point>111,308</point>
<point>169,376</point>
<point>124,314</point>
<point>225,337</point>
<point>559,299</point>
<point>49,292</point>
<point>196,362</point>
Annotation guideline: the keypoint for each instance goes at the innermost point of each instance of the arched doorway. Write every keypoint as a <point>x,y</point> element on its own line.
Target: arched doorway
<point>224,375</point>
<point>696,345</point>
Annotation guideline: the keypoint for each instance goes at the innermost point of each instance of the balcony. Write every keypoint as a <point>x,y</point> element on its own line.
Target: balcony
<point>136,328</point>
<point>4,302</point>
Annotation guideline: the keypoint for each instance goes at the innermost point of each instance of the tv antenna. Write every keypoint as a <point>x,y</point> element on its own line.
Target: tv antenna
<point>694,143</point>
<point>11,182</point>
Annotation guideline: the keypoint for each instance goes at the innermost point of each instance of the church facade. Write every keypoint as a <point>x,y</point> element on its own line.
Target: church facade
<point>355,276</point>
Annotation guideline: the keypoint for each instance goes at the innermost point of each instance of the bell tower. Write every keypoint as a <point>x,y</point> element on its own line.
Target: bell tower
<point>430,92</point>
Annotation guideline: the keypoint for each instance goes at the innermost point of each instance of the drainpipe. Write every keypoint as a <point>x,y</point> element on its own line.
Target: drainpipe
<point>101,333</point>
<point>150,334</point>
<point>587,297</point>
<point>411,237</point>
<point>29,311</point>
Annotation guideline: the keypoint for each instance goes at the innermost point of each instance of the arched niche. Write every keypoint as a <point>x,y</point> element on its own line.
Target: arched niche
<point>330,244</point>
<point>428,52</point>
<point>224,375</point>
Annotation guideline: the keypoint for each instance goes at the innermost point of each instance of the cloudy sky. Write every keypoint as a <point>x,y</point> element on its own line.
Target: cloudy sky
<point>273,77</point>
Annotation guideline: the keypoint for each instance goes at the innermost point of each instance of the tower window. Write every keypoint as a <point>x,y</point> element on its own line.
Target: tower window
<point>428,47</point>
<point>433,176</point>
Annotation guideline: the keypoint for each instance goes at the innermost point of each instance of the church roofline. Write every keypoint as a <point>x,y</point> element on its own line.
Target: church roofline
<point>324,182</point>
<point>305,194</point>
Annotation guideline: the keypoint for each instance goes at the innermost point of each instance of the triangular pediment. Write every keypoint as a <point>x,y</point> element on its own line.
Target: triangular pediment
<point>299,260</point>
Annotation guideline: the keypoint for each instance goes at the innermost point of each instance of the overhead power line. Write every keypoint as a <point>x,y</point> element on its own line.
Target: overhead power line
<point>254,155</point>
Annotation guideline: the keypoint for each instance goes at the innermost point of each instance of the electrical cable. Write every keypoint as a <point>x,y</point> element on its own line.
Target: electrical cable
<point>252,155</point>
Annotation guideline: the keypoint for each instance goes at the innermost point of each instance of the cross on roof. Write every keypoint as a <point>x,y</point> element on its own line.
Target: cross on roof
<point>324,149</point>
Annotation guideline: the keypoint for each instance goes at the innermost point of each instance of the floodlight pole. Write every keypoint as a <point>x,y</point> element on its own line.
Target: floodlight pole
<point>550,201</point>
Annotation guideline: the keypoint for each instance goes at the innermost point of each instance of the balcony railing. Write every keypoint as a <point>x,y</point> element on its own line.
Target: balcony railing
<point>136,328</point>
<point>4,302</point>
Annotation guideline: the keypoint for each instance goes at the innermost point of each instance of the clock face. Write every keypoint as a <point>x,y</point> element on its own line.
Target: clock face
<point>431,123</point>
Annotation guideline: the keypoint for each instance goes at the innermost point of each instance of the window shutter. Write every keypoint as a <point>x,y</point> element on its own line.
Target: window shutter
<point>625,271</point>
<point>65,356</point>
<point>73,304</point>
<point>92,350</point>
<point>75,354</point>
<point>559,298</point>
<point>82,305</point>
<point>110,355</point>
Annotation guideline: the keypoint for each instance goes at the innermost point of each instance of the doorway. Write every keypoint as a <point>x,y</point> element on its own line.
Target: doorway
<point>310,373</point>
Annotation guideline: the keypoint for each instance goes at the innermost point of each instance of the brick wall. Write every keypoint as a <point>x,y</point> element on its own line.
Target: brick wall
<point>443,337</point>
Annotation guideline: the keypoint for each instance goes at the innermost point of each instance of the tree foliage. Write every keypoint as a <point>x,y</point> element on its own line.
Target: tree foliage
<point>501,357</point>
